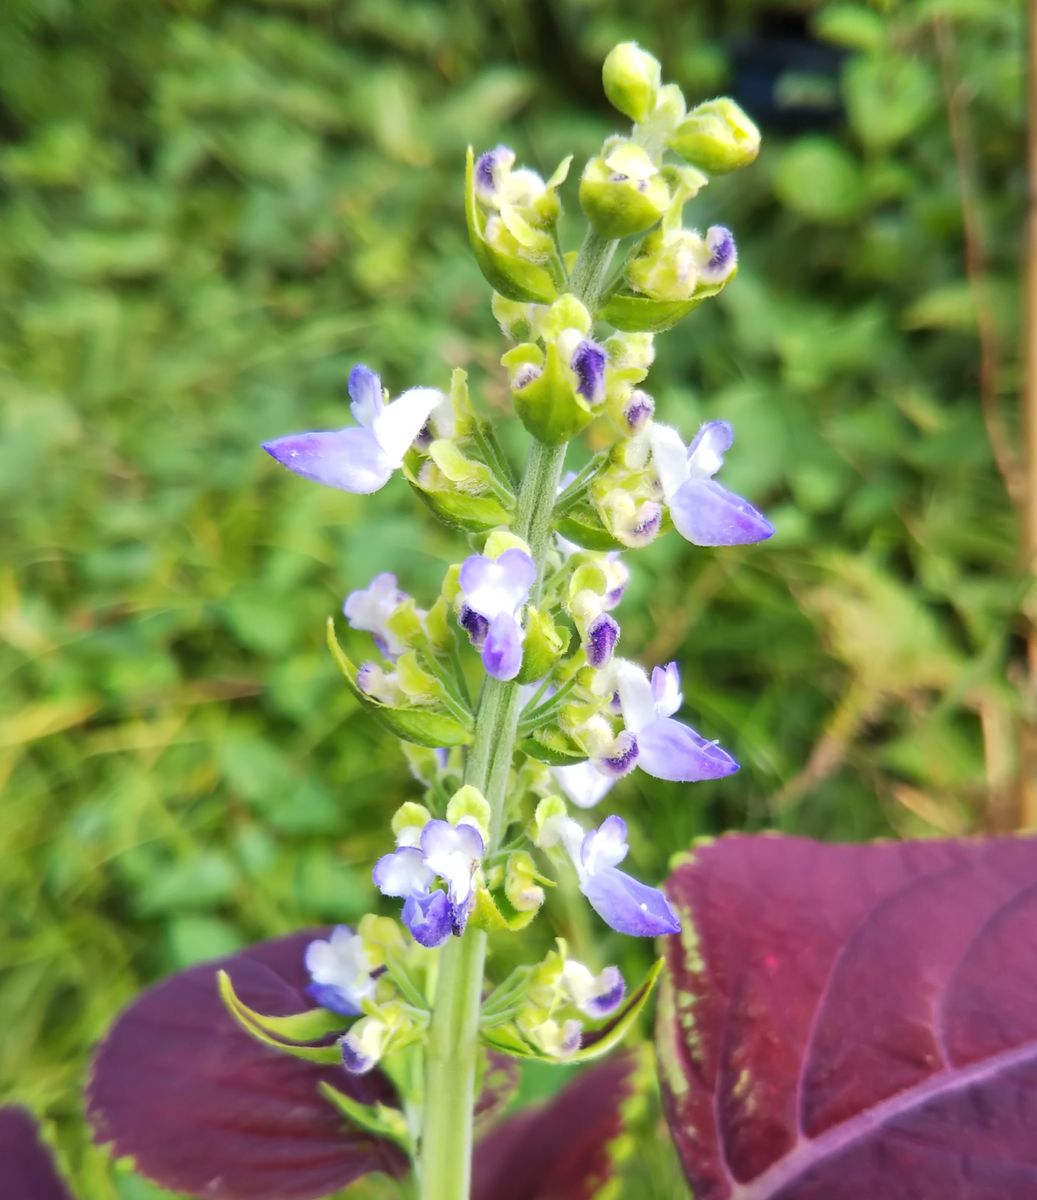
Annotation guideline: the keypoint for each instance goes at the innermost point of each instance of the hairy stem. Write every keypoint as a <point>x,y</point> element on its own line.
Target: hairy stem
<point>453,1049</point>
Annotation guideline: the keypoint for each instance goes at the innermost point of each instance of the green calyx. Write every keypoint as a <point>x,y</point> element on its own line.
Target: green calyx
<point>717,136</point>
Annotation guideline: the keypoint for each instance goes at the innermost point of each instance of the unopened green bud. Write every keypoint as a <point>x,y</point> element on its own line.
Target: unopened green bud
<point>469,805</point>
<point>465,473</point>
<point>523,891</point>
<point>546,820</point>
<point>408,821</point>
<point>503,539</point>
<point>437,623</point>
<point>514,318</point>
<point>717,136</point>
<point>631,77</point>
<point>460,407</point>
<point>404,623</point>
<point>415,682</point>
<point>566,313</point>
<point>623,193</point>
<point>380,937</point>
<point>544,645</point>
<point>666,268</point>
<point>631,351</point>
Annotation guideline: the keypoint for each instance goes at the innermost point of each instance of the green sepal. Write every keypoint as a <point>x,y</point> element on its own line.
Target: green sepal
<point>258,1026</point>
<point>512,277</point>
<point>506,1039</point>
<point>486,915</point>
<point>544,645</point>
<point>551,746</point>
<point>423,726</point>
<point>379,1119</point>
<point>583,526</point>
<point>641,314</point>
<point>469,514</point>
<point>549,405</point>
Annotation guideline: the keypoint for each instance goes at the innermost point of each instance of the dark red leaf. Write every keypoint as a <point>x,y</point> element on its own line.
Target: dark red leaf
<point>27,1168</point>
<point>205,1109</point>
<point>559,1151</point>
<point>854,1022</point>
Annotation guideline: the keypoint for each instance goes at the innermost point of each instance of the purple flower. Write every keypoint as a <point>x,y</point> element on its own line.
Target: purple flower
<point>340,972</point>
<point>723,255</point>
<point>360,458</point>
<point>490,167</point>
<point>623,903</point>
<point>703,511</point>
<point>495,590</point>
<point>602,635</point>
<point>403,873</point>
<point>666,748</point>
<point>595,996</point>
<point>620,757</point>
<point>429,918</point>
<point>364,1045</point>
<point>454,853</point>
<point>638,410</point>
<point>588,362</point>
<point>369,610</point>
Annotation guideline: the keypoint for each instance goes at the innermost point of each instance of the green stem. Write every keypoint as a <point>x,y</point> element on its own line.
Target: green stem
<point>453,1048</point>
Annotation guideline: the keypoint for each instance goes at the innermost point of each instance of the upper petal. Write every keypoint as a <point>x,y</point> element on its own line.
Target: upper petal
<point>402,873</point>
<point>366,395</point>
<point>635,695</point>
<point>666,689</point>
<point>710,444</point>
<point>605,846</point>
<point>629,906</point>
<point>400,422</point>
<point>348,459</point>
<point>670,750</point>
<point>707,514</point>
<point>670,458</point>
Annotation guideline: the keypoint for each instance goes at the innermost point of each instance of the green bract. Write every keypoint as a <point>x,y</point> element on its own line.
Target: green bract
<point>413,724</point>
<point>623,192</point>
<point>512,275</point>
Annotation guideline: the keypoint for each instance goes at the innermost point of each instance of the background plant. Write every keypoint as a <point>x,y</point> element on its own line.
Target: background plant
<point>200,209</point>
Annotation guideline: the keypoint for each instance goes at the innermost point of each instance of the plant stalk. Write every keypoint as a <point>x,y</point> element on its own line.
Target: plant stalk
<point>453,1048</point>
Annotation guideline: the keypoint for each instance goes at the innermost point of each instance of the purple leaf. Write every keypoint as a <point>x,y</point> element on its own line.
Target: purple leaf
<point>561,1150</point>
<point>27,1168</point>
<point>202,1108</point>
<point>854,1021</point>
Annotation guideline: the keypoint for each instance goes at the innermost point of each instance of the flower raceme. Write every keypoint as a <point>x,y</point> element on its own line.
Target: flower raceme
<point>535,596</point>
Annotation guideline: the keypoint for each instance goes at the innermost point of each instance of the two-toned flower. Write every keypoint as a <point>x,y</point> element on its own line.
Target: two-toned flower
<point>666,748</point>
<point>362,457</point>
<point>435,851</point>
<point>494,591</point>
<point>702,510</point>
<point>623,902</point>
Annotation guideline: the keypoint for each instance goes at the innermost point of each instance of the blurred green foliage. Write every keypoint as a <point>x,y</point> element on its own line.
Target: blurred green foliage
<point>212,208</point>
